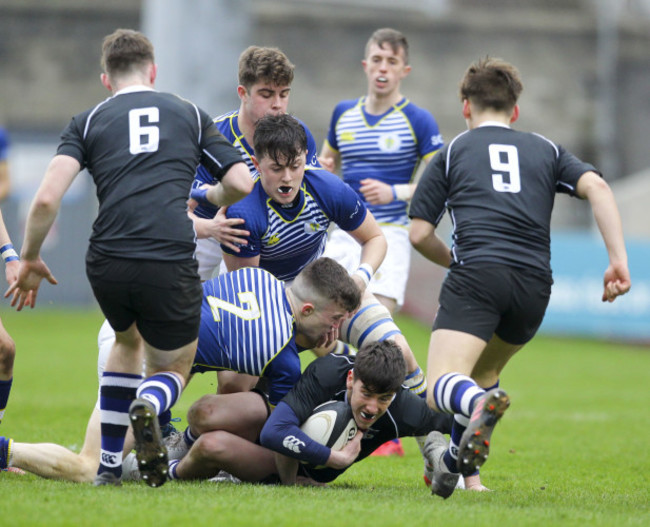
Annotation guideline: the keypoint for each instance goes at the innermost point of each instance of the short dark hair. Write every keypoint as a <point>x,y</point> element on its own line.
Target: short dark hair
<point>269,65</point>
<point>329,280</point>
<point>124,50</point>
<point>491,83</point>
<point>393,38</point>
<point>280,137</point>
<point>380,366</point>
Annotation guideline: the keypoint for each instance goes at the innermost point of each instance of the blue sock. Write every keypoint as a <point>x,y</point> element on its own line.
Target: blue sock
<point>162,390</point>
<point>5,451</point>
<point>455,393</point>
<point>5,388</point>
<point>116,392</point>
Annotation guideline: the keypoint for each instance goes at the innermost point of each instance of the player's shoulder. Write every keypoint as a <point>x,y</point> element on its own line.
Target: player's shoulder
<point>347,104</point>
<point>226,117</point>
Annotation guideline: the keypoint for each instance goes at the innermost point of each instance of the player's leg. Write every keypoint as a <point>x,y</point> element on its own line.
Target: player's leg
<point>216,451</point>
<point>233,382</point>
<point>120,380</point>
<point>227,427</point>
<point>242,414</point>
<point>7,355</point>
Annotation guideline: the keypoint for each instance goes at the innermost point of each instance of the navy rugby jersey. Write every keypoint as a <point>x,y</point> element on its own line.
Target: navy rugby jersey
<point>499,187</point>
<point>325,380</point>
<point>228,125</point>
<point>142,148</point>
<point>247,326</point>
<point>287,239</point>
<point>387,147</point>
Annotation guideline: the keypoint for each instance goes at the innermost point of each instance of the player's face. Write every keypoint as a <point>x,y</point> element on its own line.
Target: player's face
<point>281,179</point>
<point>316,325</point>
<point>367,406</point>
<point>385,69</point>
<point>264,99</point>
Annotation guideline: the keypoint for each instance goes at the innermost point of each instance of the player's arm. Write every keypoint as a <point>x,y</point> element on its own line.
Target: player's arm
<point>373,249</point>
<point>5,181</point>
<point>423,237</point>
<point>329,158</point>
<point>377,192</point>
<point>58,177</point>
<point>234,185</point>
<point>9,254</point>
<point>617,275</point>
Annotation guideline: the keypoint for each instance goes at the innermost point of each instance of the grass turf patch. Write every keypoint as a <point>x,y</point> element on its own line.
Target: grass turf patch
<point>571,450</point>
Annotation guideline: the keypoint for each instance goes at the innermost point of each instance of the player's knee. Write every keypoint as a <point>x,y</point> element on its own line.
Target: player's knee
<point>7,353</point>
<point>212,447</point>
<point>200,413</point>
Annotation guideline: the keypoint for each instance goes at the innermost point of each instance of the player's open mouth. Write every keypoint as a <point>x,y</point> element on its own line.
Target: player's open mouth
<point>285,191</point>
<point>382,80</point>
<point>366,416</point>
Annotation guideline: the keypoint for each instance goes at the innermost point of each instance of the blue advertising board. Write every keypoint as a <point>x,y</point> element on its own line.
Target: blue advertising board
<point>579,261</point>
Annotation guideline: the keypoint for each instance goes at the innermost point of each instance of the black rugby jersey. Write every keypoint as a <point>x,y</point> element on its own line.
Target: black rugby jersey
<point>142,148</point>
<point>499,187</point>
<point>325,380</point>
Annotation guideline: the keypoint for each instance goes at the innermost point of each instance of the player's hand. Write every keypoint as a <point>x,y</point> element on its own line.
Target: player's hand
<point>616,281</point>
<point>360,283</point>
<point>304,481</point>
<point>11,271</point>
<point>24,290</point>
<point>329,338</point>
<point>327,163</point>
<point>345,457</point>
<point>375,192</point>
<point>223,229</point>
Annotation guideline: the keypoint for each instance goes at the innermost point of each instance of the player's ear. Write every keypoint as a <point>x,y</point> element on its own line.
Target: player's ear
<point>349,380</point>
<point>467,111</point>
<point>153,73</point>
<point>255,163</point>
<point>307,309</point>
<point>241,91</point>
<point>515,114</point>
<point>106,81</point>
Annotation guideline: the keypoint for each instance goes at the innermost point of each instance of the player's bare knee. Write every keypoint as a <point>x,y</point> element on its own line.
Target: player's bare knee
<point>7,353</point>
<point>200,413</point>
<point>212,446</point>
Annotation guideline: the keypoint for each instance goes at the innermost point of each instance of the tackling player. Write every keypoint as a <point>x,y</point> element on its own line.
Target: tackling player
<point>499,185</point>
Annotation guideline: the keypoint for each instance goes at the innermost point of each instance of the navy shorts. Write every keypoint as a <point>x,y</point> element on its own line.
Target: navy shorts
<point>483,300</point>
<point>162,298</point>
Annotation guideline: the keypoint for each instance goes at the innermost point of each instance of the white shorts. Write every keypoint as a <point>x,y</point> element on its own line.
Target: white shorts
<point>392,275</point>
<point>208,254</point>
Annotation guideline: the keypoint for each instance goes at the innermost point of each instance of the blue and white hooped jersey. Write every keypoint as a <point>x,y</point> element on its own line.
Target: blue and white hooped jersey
<point>247,326</point>
<point>387,147</point>
<point>228,125</point>
<point>287,239</point>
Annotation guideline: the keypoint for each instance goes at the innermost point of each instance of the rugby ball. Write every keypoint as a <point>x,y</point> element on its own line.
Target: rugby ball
<point>331,424</point>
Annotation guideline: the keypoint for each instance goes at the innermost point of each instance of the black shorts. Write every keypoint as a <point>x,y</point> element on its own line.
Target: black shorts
<point>162,298</point>
<point>483,300</point>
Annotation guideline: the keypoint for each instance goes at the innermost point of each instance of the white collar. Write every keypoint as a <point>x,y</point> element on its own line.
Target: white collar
<point>493,123</point>
<point>134,88</point>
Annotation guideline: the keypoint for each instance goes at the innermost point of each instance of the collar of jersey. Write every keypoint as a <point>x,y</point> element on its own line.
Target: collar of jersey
<point>238,135</point>
<point>291,214</point>
<point>133,89</point>
<point>493,123</point>
<point>368,117</point>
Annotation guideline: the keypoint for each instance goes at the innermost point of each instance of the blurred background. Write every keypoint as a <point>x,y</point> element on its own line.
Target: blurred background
<point>585,66</point>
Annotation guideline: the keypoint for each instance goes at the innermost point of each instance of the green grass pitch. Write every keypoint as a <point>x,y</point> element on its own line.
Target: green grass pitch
<point>574,448</point>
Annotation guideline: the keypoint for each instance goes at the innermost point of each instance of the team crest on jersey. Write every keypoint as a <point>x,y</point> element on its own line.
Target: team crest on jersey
<point>313,226</point>
<point>273,240</point>
<point>389,142</point>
